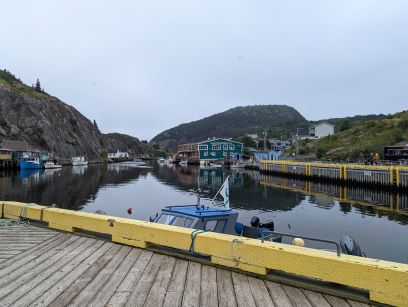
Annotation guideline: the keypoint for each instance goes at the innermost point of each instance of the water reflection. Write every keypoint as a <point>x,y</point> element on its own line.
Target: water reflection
<point>375,218</point>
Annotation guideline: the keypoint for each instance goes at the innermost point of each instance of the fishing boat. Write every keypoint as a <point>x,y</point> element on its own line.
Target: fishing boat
<point>225,220</point>
<point>79,161</point>
<point>51,164</point>
<point>30,163</point>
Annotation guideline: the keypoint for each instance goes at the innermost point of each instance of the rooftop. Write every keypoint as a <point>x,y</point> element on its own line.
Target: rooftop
<point>193,210</point>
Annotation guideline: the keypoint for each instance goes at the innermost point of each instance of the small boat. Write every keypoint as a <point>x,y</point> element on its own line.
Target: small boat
<point>169,160</point>
<point>161,160</point>
<point>31,163</point>
<point>224,220</point>
<point>51,164</point>
<point>79,161</point>
<point>183,162</point>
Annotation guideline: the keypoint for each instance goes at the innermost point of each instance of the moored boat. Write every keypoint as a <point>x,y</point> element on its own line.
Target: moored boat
<point>51,164</point>
<point>79,161</point>
<point>30,163</point>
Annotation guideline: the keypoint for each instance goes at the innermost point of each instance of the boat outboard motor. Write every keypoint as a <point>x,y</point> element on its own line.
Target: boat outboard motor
<point>351,247</point>
<point>255,221</point>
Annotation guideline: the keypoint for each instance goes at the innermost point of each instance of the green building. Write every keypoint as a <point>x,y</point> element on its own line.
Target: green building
<point>218,149</point>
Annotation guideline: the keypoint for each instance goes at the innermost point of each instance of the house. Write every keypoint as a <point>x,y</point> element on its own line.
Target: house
<point>187,151</point>
<point>315,131</point>
<point>20,149</point>
<point>117,155</point>
<point>321,129</point>
<point>278,145</point>
<point>6,157</point>
<point>218,149</point>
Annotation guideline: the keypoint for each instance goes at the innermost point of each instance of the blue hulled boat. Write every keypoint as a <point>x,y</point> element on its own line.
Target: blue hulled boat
<point>31,163</point>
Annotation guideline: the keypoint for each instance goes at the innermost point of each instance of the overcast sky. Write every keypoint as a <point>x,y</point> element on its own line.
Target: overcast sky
<point>140,67</point>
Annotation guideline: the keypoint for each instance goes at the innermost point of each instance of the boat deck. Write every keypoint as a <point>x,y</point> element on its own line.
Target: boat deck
<point>42,267</point>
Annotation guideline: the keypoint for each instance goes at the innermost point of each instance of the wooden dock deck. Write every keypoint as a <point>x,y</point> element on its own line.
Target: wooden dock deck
<point>42,267</point>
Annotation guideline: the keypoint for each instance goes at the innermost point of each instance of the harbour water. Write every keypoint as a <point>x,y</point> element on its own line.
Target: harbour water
<point>377,219</point>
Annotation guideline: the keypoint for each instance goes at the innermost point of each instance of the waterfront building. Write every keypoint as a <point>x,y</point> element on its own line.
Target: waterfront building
<point>6,157</point>
<point>321,130</point>
<point>218,149</point>
<point>117,155</point>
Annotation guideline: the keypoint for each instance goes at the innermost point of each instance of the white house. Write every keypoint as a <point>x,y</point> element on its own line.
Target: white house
<point>117,155</point>
<point>321,129</point>
<point>253,136</point>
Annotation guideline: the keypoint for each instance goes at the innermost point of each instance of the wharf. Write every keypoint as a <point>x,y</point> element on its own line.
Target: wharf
<point>43,267</point>
<point>374,175</point>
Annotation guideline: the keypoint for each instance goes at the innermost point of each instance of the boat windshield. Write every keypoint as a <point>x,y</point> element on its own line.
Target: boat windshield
<point>174,220</point>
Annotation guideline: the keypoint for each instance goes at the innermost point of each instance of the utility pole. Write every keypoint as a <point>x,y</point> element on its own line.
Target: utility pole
<point>297,143</point>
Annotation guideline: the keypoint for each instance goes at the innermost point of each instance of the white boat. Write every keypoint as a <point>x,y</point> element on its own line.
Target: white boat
<point>78,161</point>
<point>161,160</point>
<point>183,162</point>
<point>51,164</point>
<point>169,160</point>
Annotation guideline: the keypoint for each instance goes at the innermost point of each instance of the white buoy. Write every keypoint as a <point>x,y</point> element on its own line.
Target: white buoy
<point>298,242</point>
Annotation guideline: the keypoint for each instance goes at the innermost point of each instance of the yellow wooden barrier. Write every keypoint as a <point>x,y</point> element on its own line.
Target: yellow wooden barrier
<point>387,282</point>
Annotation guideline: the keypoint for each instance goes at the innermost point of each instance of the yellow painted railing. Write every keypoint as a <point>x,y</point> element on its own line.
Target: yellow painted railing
<point>384,175</point>
<point>387,282</point>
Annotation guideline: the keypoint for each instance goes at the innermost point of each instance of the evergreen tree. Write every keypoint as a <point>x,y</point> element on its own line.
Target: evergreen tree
<point>96,125</point>
<point>38,86</point>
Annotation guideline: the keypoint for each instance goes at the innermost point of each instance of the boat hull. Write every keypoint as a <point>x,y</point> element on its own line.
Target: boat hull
<point>30,165</point>
<point>52,166</point>
<point>79,163</point>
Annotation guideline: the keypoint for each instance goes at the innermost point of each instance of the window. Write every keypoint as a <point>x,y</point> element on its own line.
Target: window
<point>210,225</point>
<point>213,154</point>
<point>232,147</point>
<point>225,154</point>
<point>216,147</point>
<point>203,147</point>
<point>405,152</point>
<point>182,221</point>
<point>215,225</point>
<point>225,147</point>
<point>206,154</point>
<point>165,219</point>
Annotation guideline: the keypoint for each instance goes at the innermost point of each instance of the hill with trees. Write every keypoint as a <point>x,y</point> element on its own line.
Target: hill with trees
<point>360,140</point>
<point>275,119</point>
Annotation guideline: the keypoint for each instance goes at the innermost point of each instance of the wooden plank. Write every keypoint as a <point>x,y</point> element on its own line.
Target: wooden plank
<point>191,296</point>
<point>138,296</point>
<point>122,294</point>
<point>13,281</point>
<point>242,290</point>
<point>76,287</point>
<point>336,301</point>
<point>87,294</point>
<point>118,299</point>
<point>39,287</point>
<point>31,252</point>
<point>16,269</point>
<point>106,292</point>
<point>18,294</point>
<point>158,290</point>
<point>260,292</point>
<point>297,296</point>
<point>226,292</point>
<point>51,294</point>
<point>174,294</point>
<point>316,298</point>
<point>278,295</point>
<point>209,295</point>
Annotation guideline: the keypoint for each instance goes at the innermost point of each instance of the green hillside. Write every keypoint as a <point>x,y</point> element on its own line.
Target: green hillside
<point>363,138</point>
<point>276,119</point>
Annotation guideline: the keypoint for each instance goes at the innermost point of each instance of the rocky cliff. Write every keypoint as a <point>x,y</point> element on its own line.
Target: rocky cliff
<point>47,123</point>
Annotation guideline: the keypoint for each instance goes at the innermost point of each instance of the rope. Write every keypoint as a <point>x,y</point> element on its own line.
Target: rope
<point>194,234</point>
<point>6,223</point>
